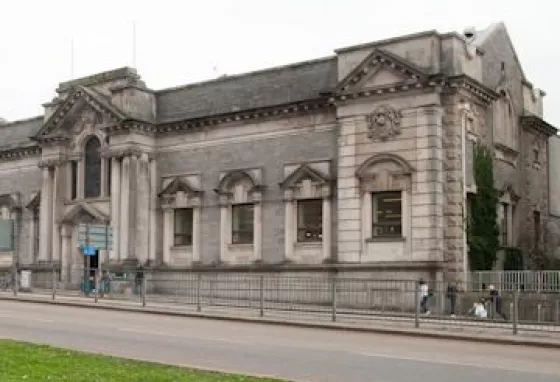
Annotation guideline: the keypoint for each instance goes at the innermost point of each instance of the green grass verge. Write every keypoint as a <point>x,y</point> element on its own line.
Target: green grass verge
<point>26,362</point>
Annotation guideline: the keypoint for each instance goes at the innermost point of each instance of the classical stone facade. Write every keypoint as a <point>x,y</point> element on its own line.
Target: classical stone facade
<point>361,160</point>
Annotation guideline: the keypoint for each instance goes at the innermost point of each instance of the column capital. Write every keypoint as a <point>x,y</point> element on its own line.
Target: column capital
<point>52,162</point>
<point>120,153</point>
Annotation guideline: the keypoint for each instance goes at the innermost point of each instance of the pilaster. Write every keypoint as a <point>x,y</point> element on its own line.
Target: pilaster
<point>46,215</point>
<point>142,243</point>
<point>115,254</point>
<point>124,210</point>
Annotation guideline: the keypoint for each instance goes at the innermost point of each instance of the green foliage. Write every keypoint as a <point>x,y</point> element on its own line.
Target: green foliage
<point>513,260</point>
<point>483,232</point>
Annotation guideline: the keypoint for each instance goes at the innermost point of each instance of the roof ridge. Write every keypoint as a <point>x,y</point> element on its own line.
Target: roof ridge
<point>247,74</point>
<point>11,123</point>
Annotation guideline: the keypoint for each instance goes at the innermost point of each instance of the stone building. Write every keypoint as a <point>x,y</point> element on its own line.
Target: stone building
<point>361,161</point>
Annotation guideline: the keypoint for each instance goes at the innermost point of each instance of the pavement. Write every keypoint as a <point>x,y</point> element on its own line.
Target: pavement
<point>458,328</point>
<point>288,352</point>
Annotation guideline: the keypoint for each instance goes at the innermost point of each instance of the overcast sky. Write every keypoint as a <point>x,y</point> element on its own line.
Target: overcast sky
<point>178,42</point>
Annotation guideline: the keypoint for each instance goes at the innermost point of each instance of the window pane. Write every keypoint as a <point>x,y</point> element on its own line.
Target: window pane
<point>93,168</point>
<point>387,214</point>
<point>310,220</point>
<point>242,224</point>
<point>183,226</point>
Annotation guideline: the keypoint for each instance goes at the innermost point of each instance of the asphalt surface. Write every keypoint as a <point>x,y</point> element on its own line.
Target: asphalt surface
<point>291,353</point>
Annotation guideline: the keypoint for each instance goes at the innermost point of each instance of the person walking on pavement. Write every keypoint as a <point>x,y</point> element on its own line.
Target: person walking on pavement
<point>452,296</point>
<point>496,301</point>
<point>424,296</point>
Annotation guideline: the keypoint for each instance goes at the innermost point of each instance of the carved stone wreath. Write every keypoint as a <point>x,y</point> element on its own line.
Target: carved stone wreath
<point>384,123</point>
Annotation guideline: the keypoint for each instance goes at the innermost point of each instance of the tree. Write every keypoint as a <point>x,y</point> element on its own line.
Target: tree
<point>483,232</point>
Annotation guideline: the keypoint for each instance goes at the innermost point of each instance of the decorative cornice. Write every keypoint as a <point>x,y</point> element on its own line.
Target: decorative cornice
<point>532,122</point>
<point>78,93</point>
<point>120,153</point>
<point>131,125</point>
<point>246,115</point>
<point>52,162</point>
<point>473,86</point>
<point>19,153</point>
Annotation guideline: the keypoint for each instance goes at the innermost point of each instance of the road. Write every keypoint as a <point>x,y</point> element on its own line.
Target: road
<point>291,353</point>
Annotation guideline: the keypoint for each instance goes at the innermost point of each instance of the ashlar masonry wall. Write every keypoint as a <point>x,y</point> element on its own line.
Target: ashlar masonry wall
<point>419,144</point>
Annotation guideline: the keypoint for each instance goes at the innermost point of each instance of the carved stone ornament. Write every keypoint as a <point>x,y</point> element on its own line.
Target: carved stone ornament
<point>384,123</point>
<point>86,119</point>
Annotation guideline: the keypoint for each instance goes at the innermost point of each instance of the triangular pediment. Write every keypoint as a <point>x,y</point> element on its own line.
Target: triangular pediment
<point>84,213</point>
<point>34,202</point>
<point>381,69</point>
<point>82,107</point>
<point>179,185</point>
<point>304,172</point>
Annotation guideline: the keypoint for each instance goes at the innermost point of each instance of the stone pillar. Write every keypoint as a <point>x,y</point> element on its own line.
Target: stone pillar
<point>31,240</point>
<point>327,227</point>
<point>197,237</point>
<point>124,252</point>
<point>153,211</point>
<point>115,253</point>
<point>257,230</point>
<point>57,203</point>
<point>142,240</point>
<point>225,230</point>
<point>80,186</point>
<point>167,235</point>
<point>66,252</point>
<point>289,229</point>
<point>45,216</point>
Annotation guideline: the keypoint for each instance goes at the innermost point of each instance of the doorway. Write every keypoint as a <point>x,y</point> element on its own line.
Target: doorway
<point>91,263</point>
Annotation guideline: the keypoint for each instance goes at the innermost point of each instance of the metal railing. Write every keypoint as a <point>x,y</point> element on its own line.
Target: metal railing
<point>524,281</point>
<point>312,296</point>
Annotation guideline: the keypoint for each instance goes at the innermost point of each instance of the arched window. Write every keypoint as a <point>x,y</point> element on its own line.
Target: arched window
<point>93,168</point>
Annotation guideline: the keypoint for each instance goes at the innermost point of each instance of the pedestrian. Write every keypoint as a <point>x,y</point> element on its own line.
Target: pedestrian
<point>424,296</point>
<point>452,296</point>
<point>496,300</point>
<point>138,280</point>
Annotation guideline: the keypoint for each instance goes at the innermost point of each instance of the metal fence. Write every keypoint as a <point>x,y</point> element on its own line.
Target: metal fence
<point>311,296</point>
<point>524,281</point>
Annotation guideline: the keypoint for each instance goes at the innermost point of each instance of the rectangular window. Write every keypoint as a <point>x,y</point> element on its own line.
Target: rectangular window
<point>310,220</point>
<point>537,227</point>
<point>74,179</point>
<point>242,224</point>
<point>387,214</point>
<point>183,227</point>
<point>504,224</point>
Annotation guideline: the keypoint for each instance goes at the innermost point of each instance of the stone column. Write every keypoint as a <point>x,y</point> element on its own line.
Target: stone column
<point>31,240</point>
<point>197,230</point>
<point>167,235</point>
<point>153,210</point>
<point>125,207</point>
<point>45,216</point>
<point>289,229</point>
<point>327,227</point>
<point>66,260</point>
<point>257,227</point>
<point>80,187</point>
<point>57,199</point>
<point>142,241</point>
<point>115,254</point>
<point>225,230</point>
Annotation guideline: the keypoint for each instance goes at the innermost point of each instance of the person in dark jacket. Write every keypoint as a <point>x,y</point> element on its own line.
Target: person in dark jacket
<point>452,296</point>
<point>496,301</point>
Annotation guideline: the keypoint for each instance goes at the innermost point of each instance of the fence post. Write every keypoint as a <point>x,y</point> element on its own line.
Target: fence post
<point>144,287</point>
<point>54,283</point>
<point>539,312</point>
<point>416,304</point>
<point>515,311</point>
<point>557,311</point>
<point>198,298</point>
<point>261,291</point>
<point>96,285</point>
<point>333,297</point>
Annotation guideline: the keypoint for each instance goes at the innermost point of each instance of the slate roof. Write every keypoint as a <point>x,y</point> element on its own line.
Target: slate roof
<point>16,134</point>
<point>269,87</point>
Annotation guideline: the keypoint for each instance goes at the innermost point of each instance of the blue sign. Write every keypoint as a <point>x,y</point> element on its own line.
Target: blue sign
<point>89,251</point>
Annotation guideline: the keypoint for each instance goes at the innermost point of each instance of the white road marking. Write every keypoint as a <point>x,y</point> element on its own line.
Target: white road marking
<point>454,363</point>
<point>175,335</point>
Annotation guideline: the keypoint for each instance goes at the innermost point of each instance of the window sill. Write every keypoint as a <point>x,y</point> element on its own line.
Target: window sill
<point>89,200</point>
<point>241,246</point>
<point>181,247</point>
<point>385,239</point>
<point>309,244</point>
